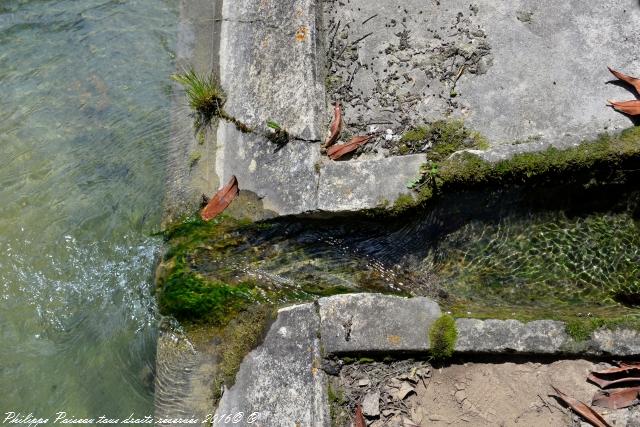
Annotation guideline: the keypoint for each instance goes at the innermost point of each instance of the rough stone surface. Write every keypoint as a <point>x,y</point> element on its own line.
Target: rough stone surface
<point>514,70</point>
<point>620,342</point>
<point>365,184</point>
<point>281,380</point>
<point>268,69</point>
<point>374,322</point>
<point>510,336</point>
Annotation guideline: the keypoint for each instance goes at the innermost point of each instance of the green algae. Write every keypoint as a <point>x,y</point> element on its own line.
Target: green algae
<point>544,263</point>
<point>239,337</point>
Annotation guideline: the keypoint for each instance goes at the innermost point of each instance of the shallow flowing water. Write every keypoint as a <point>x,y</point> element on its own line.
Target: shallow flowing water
<point>84,126</point>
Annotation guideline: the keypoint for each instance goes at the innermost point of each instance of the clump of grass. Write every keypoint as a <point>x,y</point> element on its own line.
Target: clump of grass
<point>205,96</point>
<point>206,99</point>
<point>442,337</point>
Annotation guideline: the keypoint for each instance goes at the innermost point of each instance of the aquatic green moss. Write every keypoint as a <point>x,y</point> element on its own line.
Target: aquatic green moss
<point>188,296</point>
<point>442,337</point>
<point>549,260</point>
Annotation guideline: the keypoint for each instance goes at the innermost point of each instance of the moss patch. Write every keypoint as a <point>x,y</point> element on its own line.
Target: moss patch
<point>580,329</point>
<point>590,163</point>
<point>242,335</point>
<point>443,137</point>
<point>442,337</point>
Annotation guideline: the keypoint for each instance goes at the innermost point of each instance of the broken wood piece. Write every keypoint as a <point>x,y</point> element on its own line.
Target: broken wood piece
<point>220,200</point>
<point>338,151</point>
<point>582,409</point>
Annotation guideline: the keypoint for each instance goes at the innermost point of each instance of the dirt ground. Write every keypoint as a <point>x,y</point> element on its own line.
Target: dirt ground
<point>470,394</point>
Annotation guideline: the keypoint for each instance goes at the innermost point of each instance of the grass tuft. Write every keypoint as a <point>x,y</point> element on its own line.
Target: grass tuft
<point>205,96</point>
<point>442,337</point>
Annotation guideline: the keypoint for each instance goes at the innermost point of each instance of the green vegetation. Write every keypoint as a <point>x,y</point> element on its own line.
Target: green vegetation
<point>444,137</point>
<point>206,99</point>
<point>205,96</point>
<point>442,337</point>
<point>194,158</point>
<point>242,335</point>
<point>580,329</point>
<point>277,134</point>
<point>337,401</point>
<point>583,163</point>
<point>550,260</point>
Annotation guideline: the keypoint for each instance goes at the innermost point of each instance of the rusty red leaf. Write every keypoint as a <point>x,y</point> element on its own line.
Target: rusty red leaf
<point>616,398</point>
<point>631,108</point>
<point>633,81</point>
<point>338,151</point>
<point>335,128</point>
<point>583,410</point>
<point>604,383</point>
<point>359,418</point>
<point>220,200</point>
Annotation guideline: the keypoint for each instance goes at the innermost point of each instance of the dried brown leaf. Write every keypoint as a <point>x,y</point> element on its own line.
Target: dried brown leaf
<point>583,410</point>
<point>604,383</point>
<point>220,200</point>
<point>338,151</point>
<point>616,398</point>
<point>633,81</point>
<point>631,108</point>
<point>336,126</point>
<point>359,418</point>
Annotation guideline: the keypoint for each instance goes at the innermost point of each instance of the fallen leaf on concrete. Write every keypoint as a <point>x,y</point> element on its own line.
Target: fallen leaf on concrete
<point>582,409</point>
<point>338,151</point>
<point>604,383</point>
<point>616,398</point>
<point>220,200</point>
<point>335,128</point>
<point>633,81</point>
<point>624,367</point>
<point>359,418</point>
<point>631,108</point>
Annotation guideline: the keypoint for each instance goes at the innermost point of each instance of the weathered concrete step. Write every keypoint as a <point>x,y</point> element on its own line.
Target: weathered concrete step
<point>375,322</point>
<point>282,381</point>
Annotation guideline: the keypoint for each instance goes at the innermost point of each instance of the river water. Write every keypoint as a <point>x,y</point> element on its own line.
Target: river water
<point>84,126</point>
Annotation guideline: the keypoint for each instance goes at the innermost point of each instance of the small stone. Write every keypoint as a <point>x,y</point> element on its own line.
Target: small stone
<point>371,404</point>
<point>404,391</point>
<point>388,412</point>
<point>460,396</point>
<point>364,382</point>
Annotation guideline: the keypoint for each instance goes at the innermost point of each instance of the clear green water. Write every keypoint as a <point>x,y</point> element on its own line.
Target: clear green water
<point>84,125</point>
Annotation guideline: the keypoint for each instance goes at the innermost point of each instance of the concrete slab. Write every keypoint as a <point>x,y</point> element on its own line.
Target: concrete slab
<point>281,382</point>
<point>512,69</point>
<point>374,322</point>
<point>510,336</point>
<point>350,186</point>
